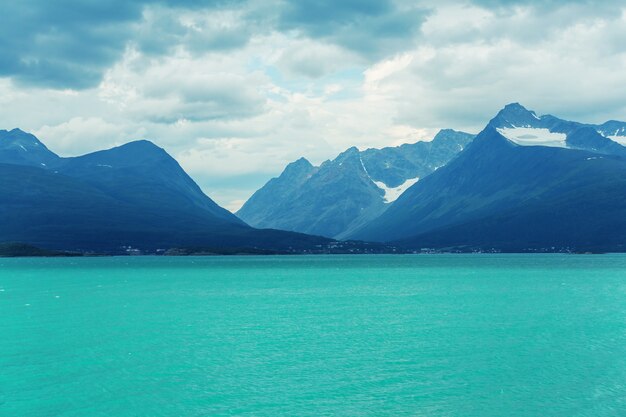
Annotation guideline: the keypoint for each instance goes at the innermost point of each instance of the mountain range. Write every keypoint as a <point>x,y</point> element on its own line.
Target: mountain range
<point>345,193</point>
<point>131,196</point>
<point>526,183</point>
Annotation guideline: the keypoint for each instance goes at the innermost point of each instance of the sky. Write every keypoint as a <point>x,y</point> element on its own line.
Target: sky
<point>236,89</point>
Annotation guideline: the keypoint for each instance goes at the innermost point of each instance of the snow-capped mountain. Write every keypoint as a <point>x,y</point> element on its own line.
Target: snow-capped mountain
<point>524,127</point>
<point>345,193</point>
<point>613,129</point>
<point>525,183</point>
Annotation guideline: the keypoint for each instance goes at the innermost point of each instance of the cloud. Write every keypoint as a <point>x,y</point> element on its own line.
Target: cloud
<point>237,89</point>
<point>311,59</point>
<point>164,30</point>
<point>63,44</point>
<point>370,27</point>
<point>71,43</point>
<point>182,87</point>
<point>547,4</point>
<point>570,71</point>
<point>82,135</point>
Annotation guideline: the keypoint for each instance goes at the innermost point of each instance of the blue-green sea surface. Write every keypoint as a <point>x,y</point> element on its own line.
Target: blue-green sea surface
<point>421,335</point>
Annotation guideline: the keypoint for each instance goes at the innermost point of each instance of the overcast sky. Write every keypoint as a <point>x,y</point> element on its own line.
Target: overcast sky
<point>235,90</point>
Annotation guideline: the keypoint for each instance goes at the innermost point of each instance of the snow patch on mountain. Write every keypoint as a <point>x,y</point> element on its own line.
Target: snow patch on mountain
<point>617,132</point>
<point>529,136</point>
<point>619,139</point>
<point>363,166</point>
<point>392,193</point>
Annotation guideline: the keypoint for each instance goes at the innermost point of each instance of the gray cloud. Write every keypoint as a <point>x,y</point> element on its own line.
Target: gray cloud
<point>164,29</point>
<point>65,43</point>
<point>370,27</point>
<point>70,43</point>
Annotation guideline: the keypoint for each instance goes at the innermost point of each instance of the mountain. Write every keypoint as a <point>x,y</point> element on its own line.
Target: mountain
<point>588,138</point>
<point>142,173</point>
<point>498,194</point>
<point>343,194</point>
<point>256,209</point>
<point>613,129</point>
<point>134,195</point>
<point>324,202</point>
<point>18,147</point>
<point>525,128</point>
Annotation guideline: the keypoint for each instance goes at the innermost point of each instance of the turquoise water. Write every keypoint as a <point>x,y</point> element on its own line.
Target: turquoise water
<point>426,335</point>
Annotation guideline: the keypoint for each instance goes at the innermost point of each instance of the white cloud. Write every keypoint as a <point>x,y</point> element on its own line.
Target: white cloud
<point>312,59</point>
<point>182,86</point>
<point>461,82</point>
<point>81,135</point>
<point>386,68</point>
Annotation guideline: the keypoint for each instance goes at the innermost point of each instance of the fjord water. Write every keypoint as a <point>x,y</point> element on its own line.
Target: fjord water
<point>424,335</point>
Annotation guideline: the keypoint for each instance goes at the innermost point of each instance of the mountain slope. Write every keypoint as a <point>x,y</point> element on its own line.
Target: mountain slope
<point>499,194</point>
<point>394,165</point>
<point>133,195</point>
<point>338,193</point>
<point>613,129</point>
<point>140,172</point>
<point>347,192</point>
<point>588,138</point>
<point>260,206</point>
<point>21,148</point>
